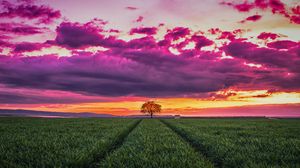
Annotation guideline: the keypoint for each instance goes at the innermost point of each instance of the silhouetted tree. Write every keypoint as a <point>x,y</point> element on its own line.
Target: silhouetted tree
<point>150,107</point>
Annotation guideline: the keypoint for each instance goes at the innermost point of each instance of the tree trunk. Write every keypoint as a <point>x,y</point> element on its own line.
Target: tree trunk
<point>151,115</point>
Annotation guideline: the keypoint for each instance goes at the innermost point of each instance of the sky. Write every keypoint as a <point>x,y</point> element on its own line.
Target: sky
<point>195,58</point>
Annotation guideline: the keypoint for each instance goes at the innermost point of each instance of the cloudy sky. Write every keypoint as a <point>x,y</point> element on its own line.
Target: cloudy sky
<point>209,57</point>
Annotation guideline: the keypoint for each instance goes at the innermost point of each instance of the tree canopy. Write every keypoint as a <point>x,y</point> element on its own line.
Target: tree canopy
<point>150,107</point>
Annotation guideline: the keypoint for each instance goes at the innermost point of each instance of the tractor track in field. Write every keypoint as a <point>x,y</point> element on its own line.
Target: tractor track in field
<point>111,148</point>
<point>198,147</point>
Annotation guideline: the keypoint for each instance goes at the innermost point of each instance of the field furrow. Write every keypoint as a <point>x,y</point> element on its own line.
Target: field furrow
<point>33,142</point>
<point>152,144</point>
<point>243,142</point>
<point>115,144</point>
<point>197,146</point>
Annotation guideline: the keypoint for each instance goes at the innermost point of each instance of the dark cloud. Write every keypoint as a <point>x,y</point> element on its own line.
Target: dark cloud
<point>283,44</point>
<point>76,35</point>
<point>146,67</point>
<point>20,29</point>
<point>253,53</point>
<point>22,47</point>
<point>43,14</point>
<point>131,8</point>
<point>24,96</point>
<point>131,72</point>
<point>280,63</point>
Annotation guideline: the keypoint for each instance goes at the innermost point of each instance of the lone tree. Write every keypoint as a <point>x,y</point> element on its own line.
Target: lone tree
<point>150,107</point>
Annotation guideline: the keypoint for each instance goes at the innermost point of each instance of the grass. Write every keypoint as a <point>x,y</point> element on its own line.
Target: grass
<point>37,142</point>
<point>152,144</point>
<point>244,142</point>
<point>31,142</point>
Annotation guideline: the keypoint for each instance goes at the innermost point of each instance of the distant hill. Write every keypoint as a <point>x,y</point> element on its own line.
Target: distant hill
<point>47,114</point>
<point>32,113</point>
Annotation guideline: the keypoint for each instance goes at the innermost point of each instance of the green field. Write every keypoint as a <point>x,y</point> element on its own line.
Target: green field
<point>33,142</point>
<point>122,143</point>
<point>244,142</point>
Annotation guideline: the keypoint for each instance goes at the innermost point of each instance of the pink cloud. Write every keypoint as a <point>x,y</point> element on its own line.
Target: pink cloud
<point>242,7</point>
<point>296,10</point>
<point>267,35</point>
<point>276,7</point>
<point>262,4</point>
<point>144,30</point>
<point>177,32</point>
<point>252,18</point>
<point>201,41</point>
<point>4,43</point>
<point>214,31</point>
<point>139,19</point>
<point>227,35</point>
<point>296,14</point>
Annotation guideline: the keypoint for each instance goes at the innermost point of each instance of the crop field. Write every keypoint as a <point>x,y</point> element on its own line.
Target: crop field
<point>122,143</point>
<point>152,144</point>
<point>33,142</point>
<point>244,142</point>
